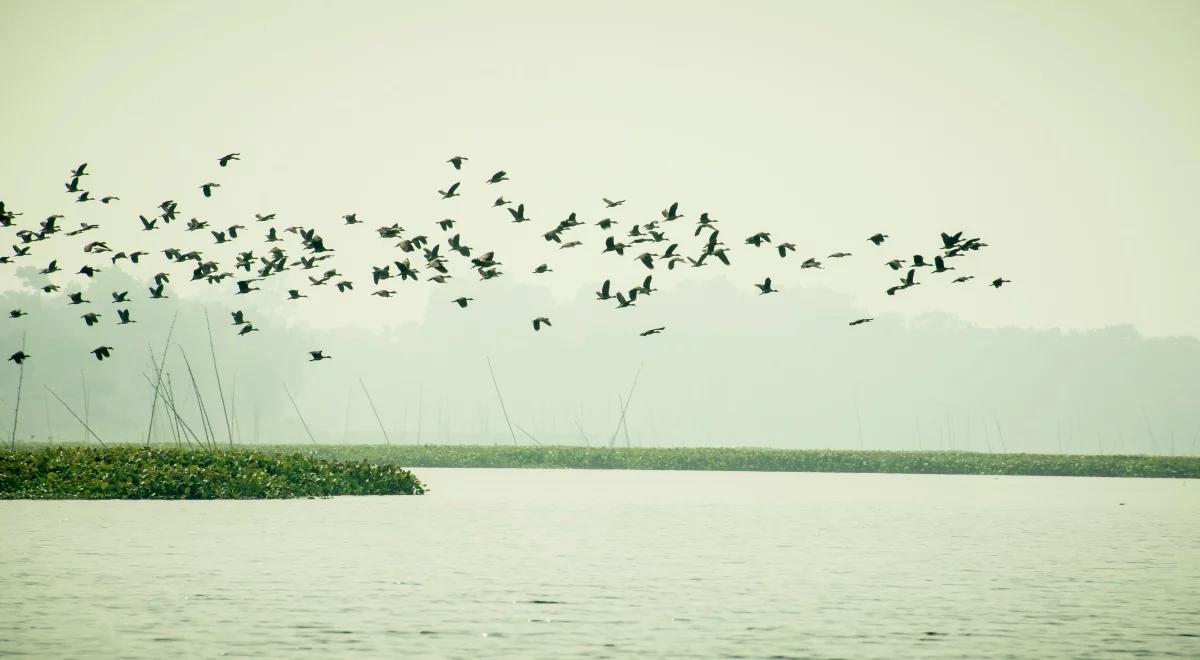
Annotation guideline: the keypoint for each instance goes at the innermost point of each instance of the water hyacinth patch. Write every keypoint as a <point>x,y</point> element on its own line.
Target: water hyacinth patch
<point>756,459</point>
<point>126,472</point>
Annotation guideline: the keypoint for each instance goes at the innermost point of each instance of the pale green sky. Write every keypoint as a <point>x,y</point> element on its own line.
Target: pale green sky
<point>1066,134</point>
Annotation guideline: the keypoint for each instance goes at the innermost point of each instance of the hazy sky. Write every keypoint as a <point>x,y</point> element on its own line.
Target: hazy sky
<point>1066,134</point>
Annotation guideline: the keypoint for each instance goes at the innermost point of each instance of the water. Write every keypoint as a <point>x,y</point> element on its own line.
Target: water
<point>555,564</point>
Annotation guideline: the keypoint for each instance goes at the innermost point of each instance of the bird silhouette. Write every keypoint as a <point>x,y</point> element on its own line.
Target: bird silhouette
<point>317,356</point>
<point>457,161</point>
<point>224,160</point>
<point>498,177</point>
<point>19,357</point>
<point>653,331</point>
<point>207,188</point>
<point>102,352</point>
<point>539,322</point>
<point>765,287</point>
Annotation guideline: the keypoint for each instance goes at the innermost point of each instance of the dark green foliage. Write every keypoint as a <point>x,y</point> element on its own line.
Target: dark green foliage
<point>126,472</point>
<point>761,460</point>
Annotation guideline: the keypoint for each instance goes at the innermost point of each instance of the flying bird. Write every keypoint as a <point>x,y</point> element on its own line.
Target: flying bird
<point>208,188</point>
<point>317,356</point>
<point>878,239</point>
<point>457,161</point>
<point>765,287</point>
<point>861,321</point>
<point>539,322</point>
<point>498,177</point>
<point>224,160</point>
<point>19,357</point>
<point>608,203</point>
<point>653,331</point>
<point>102,352</point>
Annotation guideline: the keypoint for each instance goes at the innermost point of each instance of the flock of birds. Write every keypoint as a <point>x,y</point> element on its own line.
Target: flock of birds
<point>420,252</point>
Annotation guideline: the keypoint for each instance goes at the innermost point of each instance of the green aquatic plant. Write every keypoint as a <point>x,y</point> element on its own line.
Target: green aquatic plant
<point>757,460</point>
<point>128,472</point>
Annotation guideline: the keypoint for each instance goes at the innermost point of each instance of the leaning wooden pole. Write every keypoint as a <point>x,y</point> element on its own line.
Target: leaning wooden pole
<point>297,408</point>
<point>501,397</point>
<point>624,408</point>
<point>168,396</point>
<point>386,440</point>
<point>77,418</point>
<point>86,416</point>
<point>20,383</point>
<point>220,392</point>
<point>205,424</point>
<point>158,378</point>
<point>529,435</point>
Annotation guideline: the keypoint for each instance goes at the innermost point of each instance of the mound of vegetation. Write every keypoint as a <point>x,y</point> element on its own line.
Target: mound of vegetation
<point>127,472</point>
<point>762,460</point>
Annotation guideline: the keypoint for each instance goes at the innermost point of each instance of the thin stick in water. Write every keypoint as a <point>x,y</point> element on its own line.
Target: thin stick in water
<point>158,378</point>
<point>77,418</point>
<point>625,407</point>
<point>297,408</point>
<point>220,392</point>
<point>501,397</point>
<point>530,435</point>
<point>20,383</point>
<point>586,441</point>
<point>386,440</point>
<point>205,424</point>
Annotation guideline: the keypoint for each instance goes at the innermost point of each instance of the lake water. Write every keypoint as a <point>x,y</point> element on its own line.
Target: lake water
<point>557,564</point>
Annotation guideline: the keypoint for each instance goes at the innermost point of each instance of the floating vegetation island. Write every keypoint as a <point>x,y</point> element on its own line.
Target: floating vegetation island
<point>283,471</point>
<point>128,472</point>
<point>758,460</point>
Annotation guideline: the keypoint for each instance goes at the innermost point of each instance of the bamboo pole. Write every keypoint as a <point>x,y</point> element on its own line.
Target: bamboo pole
<point>17,409</point>
<point>158,378</point>
<point>625,407</point>
<point>386,440</point>
<point>501,397</point>
<point>530,435</point>
<point>302,422</point>
<point>77,418</point>
<point>205,424</point>
<point>220,392</point>
<point>587,442</point>
<point>86,417</point>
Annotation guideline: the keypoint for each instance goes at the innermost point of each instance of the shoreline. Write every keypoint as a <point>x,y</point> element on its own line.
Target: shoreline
<point>756,459</point>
